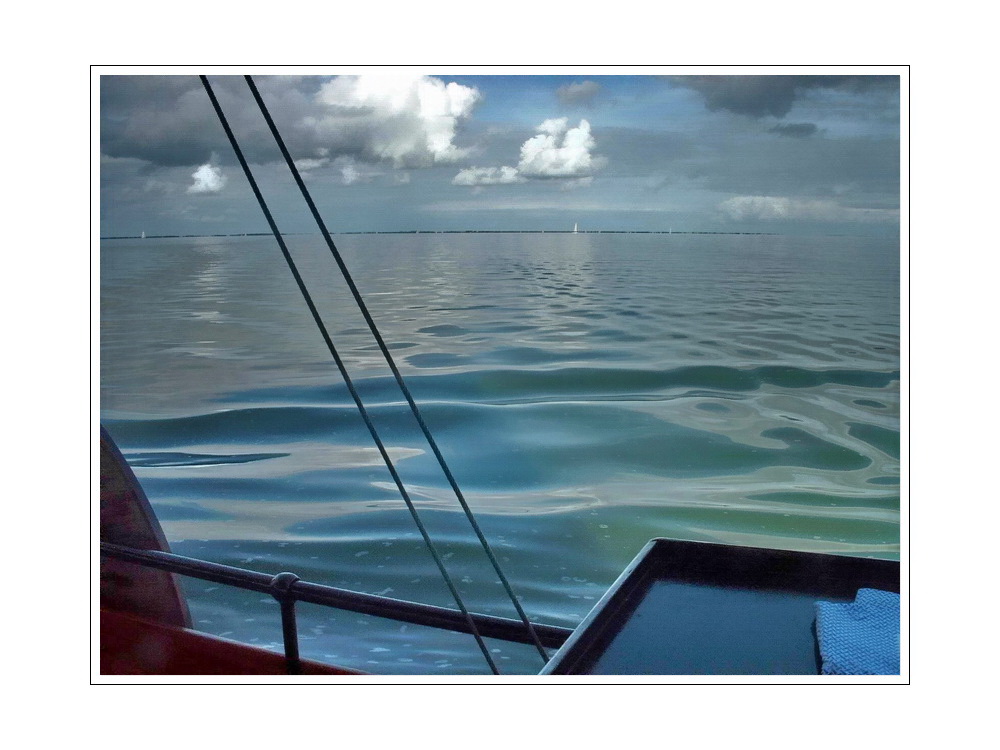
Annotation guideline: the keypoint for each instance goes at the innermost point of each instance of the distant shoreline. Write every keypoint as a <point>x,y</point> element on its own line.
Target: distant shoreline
<point>435,231</point>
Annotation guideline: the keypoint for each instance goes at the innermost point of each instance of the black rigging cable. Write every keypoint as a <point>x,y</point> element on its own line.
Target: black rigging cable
<point>343,371</point>
<point>392,365</point>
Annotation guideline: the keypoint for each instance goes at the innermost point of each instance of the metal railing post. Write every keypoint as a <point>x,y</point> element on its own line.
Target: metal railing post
<point>281,590</point>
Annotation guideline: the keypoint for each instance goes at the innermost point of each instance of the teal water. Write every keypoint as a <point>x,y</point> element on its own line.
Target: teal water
<point>589,391</point>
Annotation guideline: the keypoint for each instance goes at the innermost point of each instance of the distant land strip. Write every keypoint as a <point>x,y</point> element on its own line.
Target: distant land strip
<point>434,231</point>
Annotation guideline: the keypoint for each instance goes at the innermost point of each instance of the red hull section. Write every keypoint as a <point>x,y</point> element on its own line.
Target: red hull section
<point>132,646</point>
<point>128,519</point>
<point>144,618</point>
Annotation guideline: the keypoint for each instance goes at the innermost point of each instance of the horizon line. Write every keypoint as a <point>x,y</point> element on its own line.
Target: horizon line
<point>435,231</point>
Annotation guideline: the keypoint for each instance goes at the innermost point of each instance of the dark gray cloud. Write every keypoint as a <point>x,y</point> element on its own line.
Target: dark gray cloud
<point>794,129</point>
<point>578,94</point>
<point>409,121</point>
<point>761,96</point>
<point>168,120</point>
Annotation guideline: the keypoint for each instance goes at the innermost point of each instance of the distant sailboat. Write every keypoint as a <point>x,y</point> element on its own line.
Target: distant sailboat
<point>575,230</point>
<point>143,236</point>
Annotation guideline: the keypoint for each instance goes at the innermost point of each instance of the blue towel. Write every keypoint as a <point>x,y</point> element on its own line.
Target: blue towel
<point>860,637</point>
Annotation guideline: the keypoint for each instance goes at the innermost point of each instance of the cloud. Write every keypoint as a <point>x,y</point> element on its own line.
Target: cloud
<point>577,182</point>
<point>408,120</point>
<point>794,129</point>
<point>349,174</point>
<point>760,96</point>
<point>578,94</point>
<point>207,179</point>
<point>776,208</point>
<point>557,151</point>
<point>306,165</point>
<point>488,176</point>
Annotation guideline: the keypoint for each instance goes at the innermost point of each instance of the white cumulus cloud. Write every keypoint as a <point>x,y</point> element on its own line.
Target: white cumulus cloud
<point>558,151</point>
<point>408,120</point>
<point>207,179</point>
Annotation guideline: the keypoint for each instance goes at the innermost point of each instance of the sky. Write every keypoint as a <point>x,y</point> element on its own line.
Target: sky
<point>423,150</point>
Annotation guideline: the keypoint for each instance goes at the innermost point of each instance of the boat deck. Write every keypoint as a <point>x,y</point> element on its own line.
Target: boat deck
<point>693,608</point>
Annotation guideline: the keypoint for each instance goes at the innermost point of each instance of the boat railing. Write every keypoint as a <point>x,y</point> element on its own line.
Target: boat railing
<point>288,588</point>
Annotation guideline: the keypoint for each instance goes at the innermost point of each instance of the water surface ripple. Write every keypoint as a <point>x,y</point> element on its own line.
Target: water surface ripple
<point>589,392</point>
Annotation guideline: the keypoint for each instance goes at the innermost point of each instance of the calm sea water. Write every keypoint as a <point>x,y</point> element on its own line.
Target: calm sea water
<point>589,391</point>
